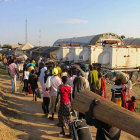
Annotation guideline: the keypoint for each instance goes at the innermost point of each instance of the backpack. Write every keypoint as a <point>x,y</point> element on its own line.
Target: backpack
<point>80,130</point>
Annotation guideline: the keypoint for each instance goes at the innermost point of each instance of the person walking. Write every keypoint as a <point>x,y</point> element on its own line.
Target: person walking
<point>65,93</point>
<point>12,70</point>
<point>132,104</point>
<point>79,83</point>
<point>25,65</point>
<point>26,78</point>
<point>71,78</point>
<point>46,93</point>
<point>46,101</point>
<point>116,90</point>
<point>42,75</point>
<point>93,78</point>
<point>55,81</point>
<point>33,83</point>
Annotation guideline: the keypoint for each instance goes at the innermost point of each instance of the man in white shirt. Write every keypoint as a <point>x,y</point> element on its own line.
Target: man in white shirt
<point>55,81</point>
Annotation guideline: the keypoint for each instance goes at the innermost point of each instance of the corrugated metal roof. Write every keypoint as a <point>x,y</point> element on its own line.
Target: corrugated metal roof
<point>88,40</point>
<point>83,41</point>
<point>132,41</point>
<point>125,46</point>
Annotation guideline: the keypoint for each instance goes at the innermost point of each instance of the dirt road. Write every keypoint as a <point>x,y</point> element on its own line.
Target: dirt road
<point>20,118</point>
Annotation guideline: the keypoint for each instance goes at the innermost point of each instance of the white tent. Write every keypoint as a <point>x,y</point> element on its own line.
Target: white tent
<point>25,47</point>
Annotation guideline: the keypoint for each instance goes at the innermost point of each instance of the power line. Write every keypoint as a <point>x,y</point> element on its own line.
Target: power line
<point>39,38</point>
<point>26,30</point>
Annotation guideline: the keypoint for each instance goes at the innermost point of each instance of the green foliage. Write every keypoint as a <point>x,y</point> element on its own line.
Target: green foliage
<point>122,36</point>
<point>7,46</point>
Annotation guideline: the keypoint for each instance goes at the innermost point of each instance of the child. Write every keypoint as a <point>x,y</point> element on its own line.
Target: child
<point>46,101</point>
<point>33,83</point>
<point>26,78</point>
<point>131,104</point>
<point>46,94</point>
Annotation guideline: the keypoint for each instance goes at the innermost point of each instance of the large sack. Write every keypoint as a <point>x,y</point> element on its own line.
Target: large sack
<point>120,75</point>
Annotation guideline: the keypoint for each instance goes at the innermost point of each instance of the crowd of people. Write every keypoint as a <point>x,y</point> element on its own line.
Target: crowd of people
<point>61,82</point>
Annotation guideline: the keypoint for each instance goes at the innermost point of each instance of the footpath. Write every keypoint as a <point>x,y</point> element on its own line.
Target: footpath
<point>21,118</point>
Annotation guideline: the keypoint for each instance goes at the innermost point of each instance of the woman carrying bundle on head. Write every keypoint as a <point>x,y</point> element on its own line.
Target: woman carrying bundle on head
<point>119,93</point>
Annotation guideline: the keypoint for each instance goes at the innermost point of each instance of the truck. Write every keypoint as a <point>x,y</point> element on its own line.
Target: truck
<point>90,54</point>
<point>125,58</point>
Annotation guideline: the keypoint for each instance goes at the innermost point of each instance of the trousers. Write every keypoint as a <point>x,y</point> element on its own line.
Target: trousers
<point>45,105</point>
<point>13,82</point>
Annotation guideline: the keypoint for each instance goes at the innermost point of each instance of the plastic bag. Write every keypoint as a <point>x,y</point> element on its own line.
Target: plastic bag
<point>30,90</point>
<point>38,94</point>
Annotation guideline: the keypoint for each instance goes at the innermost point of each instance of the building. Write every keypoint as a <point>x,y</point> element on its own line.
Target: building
<point>132,41</point>
<point>99,39</point>
<point>85,49</point>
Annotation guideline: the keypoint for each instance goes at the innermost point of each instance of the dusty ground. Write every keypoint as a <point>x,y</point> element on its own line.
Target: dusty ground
<point>20,118</point>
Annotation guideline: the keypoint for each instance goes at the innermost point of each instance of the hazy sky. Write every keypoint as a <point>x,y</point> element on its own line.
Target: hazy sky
<point>66,18</point>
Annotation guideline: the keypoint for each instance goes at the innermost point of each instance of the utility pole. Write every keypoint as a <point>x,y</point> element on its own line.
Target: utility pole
<point>26,30</point>
<point>39,38</point>
<point>39,41</point>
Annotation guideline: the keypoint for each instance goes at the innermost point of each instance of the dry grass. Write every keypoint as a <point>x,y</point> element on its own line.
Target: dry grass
<point>136,90</point>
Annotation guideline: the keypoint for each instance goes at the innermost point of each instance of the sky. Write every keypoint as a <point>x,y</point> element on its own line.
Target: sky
<point>49,20</point>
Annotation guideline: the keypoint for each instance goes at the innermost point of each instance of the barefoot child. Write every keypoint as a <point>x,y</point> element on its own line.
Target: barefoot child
<point>131,104</point>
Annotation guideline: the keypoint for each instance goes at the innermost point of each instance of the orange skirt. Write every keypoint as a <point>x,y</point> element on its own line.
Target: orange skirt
<point>118,101</point>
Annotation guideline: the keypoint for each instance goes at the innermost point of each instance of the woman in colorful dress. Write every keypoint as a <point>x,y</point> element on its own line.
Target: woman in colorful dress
<point>64,91</point>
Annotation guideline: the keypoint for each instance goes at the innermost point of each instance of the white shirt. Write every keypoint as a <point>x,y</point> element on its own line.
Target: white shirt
<point>87,84</point>
<point>42,74</point>
<point>26,75</point>
<point>55,81</point>
<point>70,80</point>
<point>117,89</point>
<point>86,75</point>
<point>48,82</point>
<point>130,84</point>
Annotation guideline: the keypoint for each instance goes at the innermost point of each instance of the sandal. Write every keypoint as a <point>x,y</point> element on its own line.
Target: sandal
<point>62,133</point>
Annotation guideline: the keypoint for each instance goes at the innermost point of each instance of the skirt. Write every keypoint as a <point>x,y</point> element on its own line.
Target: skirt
<point>64,115</point>
<point>118,101</point>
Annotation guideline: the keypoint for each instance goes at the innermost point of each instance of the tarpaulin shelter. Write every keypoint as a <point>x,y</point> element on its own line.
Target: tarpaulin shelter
<point>24,48</point>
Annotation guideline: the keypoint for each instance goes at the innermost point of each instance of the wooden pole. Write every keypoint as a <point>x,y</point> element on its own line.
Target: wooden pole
<point>108,112</point>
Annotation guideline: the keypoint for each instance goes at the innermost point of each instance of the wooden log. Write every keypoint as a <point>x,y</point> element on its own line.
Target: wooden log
<point>108,112</point>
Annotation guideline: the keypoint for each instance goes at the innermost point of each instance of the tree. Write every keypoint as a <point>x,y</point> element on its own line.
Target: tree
<point>7,46</point>
<point>122,36</point>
